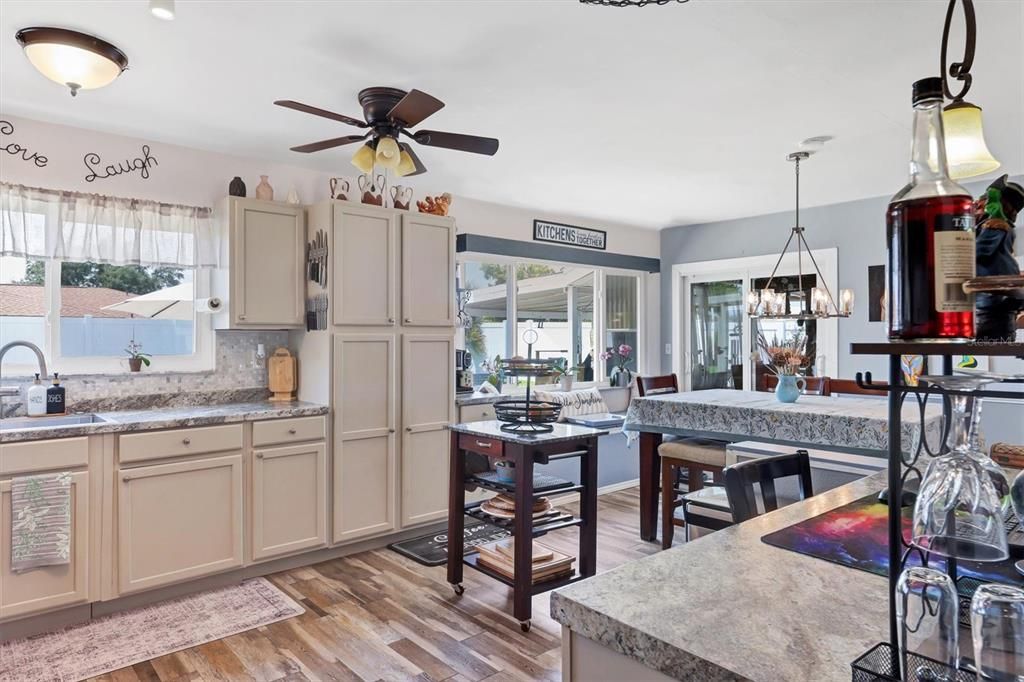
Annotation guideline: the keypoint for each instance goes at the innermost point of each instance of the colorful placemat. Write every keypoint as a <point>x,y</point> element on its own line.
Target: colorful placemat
<point>856,535</point>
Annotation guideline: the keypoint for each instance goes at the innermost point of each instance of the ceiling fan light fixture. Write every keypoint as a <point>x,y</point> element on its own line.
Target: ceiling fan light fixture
<point>162,9</point>
<point>364,157</point>
<point>76,60</point>
<point>966,151</point>
<point>406,166</point>
<point>388,153</point>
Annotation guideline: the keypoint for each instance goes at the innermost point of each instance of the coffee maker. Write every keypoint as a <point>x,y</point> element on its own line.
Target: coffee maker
<point>463,372</point>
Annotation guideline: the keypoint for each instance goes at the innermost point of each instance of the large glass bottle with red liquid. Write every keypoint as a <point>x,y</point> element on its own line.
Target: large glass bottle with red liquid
<point>930,230</point>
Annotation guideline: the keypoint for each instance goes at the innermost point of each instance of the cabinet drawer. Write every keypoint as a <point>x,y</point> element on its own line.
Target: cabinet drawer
<point>39,455</point>
<point>139,447</point>
<point>476,413</point>
<point>492,447</point>
<point>293,430</point>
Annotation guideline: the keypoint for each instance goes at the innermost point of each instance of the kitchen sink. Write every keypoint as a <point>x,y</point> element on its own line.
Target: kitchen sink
<point>49,422</point>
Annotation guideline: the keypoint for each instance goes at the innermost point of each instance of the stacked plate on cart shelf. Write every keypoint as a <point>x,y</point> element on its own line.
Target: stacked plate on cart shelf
<point>504,507</point>
<point>548,564</point>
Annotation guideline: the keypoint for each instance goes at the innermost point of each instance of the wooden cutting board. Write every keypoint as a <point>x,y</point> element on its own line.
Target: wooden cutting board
<point>281,375</point>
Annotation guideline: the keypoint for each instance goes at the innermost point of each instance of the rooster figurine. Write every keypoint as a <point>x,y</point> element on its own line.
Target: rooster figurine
<point>435,205</point>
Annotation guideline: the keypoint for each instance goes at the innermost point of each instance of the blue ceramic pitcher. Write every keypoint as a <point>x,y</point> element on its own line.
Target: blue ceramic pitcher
<point>789,388</point>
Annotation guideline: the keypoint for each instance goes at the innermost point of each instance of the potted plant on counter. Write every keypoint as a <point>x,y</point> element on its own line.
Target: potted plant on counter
<point>621,375</point>
<point>136,358</point>
<point>565,373</point>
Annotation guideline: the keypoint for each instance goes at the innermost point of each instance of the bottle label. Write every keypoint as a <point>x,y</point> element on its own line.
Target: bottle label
<point>954,263</point>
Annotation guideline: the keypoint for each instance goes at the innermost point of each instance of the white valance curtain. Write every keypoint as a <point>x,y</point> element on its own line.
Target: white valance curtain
<point>73,226</point>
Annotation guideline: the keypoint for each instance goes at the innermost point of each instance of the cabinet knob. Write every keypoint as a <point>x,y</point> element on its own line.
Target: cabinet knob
<point>409,429</point>
<point>186,441</point>
<point>391,320</point>
<point>292,431</point>
<point>259,455</point>
<point>125,479</point>
<point>241,317</point>
<point>407,320</point>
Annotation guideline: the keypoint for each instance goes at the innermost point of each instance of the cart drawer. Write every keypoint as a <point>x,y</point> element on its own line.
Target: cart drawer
<point>492,447</point>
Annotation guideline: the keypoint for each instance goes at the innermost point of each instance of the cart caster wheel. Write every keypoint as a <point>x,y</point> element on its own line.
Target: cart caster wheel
<point>459,588</point>
<point>525,626</point>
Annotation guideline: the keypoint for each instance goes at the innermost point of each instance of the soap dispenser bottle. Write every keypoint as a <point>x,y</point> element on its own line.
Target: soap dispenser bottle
<point>55,397</point>
<point>36,406</point>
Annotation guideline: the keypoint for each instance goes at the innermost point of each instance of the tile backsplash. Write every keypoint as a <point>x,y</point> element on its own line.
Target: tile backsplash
<point>236,378</point>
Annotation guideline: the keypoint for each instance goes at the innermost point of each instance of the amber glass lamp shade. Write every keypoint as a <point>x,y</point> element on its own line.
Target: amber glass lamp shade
<point>966,151</point>
<point>76,60</point>
<point>406,165</point>
<point>363,158</point>
<point>388,153</point>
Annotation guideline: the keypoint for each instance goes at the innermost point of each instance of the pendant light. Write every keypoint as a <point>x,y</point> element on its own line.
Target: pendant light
<point>770,304</point>
<point>364,157</point>
<point>388,153</point>
<point>966,151</point>
<point>76,60</point>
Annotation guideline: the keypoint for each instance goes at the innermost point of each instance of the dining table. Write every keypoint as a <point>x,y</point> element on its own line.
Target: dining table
<point>849,424</point>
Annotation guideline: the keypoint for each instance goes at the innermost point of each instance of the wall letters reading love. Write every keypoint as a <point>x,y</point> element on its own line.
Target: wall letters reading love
<point>139,163</point>
<point>15,149</point>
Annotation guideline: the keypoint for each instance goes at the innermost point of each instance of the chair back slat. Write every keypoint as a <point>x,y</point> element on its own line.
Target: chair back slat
<point>666,383</point>
<point>850,387</point>
<point>741,478</point>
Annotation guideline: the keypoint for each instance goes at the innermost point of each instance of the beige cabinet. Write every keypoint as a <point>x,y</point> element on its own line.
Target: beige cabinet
<point>428,384</point>
<point>266,275</point>
<point>428,270</point>
<point>289,499</point>
<point>364,247</point>
<point>364,435</point>
<point>178,521</point>
<point>46,587</point>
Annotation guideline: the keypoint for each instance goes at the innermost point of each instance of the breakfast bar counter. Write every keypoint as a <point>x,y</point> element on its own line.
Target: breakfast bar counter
<point>727,607</point>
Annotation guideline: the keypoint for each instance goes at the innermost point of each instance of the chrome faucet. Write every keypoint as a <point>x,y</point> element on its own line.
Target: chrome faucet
<point>13,390</point>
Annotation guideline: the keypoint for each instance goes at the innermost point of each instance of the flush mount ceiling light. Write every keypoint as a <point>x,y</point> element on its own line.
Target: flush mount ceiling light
<point>162,9</point>
<point>966,151</point>
<point>629,3</point>
<point>77,60</point>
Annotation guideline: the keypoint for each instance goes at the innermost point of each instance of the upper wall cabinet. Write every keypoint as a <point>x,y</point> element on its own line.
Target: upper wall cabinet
<point>264,284</point>
<point>428,270</point>
<point>365,282</point>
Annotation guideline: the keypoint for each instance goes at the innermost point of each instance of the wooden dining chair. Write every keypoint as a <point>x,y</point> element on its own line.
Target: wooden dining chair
<point>692,455</point>
<point>741,478</point>
<point>850,387</point>
<point>813,385</point>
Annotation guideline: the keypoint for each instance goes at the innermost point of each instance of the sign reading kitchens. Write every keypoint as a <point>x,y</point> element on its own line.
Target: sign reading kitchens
<point>544,231</point>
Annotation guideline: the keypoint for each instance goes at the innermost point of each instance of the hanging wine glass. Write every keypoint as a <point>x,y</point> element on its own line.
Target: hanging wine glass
<point>927,613</point>
<point>959,510</point>
<point>997,631</point>
<point>1017,498</point>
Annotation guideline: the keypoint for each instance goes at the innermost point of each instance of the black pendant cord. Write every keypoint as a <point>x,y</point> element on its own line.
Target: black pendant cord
<point>961,70</point>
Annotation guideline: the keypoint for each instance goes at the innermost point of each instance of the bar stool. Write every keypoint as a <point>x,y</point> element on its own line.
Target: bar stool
<point>693,455</point>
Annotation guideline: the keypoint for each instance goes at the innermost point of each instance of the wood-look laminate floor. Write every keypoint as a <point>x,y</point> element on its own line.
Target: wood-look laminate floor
<point>380,616</point>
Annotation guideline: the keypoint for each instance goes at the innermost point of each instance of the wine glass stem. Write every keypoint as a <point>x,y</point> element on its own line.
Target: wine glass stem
<point>960,427</point>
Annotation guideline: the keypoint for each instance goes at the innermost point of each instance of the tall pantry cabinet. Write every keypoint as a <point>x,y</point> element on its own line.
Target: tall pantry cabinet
<point>391,287</point>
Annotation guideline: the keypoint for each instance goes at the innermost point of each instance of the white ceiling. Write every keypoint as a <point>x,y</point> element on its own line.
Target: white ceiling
<point>656,116</point>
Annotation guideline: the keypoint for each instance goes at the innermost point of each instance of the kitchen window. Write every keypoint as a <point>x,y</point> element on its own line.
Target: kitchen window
<point>85,277</point>
<point>577,311</point>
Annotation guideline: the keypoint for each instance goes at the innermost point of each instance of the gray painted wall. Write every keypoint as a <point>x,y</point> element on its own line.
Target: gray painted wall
<point>857,230</point>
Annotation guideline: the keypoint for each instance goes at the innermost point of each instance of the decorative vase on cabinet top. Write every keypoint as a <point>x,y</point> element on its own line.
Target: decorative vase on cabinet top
<point>263,190</point>
<point>789,388</point>
<point>236,188</point>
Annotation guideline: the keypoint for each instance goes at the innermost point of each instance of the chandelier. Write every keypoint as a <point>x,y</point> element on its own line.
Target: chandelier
<point>770,304</point>
<point>629,3</point>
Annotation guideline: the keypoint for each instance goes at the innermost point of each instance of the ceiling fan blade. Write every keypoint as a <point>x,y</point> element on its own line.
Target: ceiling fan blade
<point>415,107</point>
<point>420,168</point>
<point>299,106</point>
<point>328,144</point>
<point>463,143</point>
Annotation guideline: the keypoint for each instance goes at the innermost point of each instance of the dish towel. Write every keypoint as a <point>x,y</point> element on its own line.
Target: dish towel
<point>41,520</point>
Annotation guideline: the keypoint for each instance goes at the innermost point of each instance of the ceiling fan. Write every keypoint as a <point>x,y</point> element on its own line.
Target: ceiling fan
<point>388,112</point>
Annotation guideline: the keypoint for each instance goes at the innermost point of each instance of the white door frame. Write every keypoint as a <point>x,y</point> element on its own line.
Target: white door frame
<point>746,269</point>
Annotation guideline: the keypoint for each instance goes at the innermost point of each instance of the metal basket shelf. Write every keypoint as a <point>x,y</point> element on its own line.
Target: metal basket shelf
<point>526,416</point>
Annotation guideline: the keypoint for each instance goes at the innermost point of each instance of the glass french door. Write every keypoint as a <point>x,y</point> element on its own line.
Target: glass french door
<point>715,353</point>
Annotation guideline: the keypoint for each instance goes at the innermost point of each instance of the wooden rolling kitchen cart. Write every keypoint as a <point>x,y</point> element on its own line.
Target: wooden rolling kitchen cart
<point>524,450</point>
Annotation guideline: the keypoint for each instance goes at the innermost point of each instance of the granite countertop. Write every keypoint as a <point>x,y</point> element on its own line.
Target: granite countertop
<point>165,418</point>
<point>560,433</point>
<point>729,607</point>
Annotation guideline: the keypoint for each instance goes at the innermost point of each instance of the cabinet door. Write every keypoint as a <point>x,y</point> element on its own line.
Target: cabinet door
<point>428,271</point>
<point>178,521</point>
<point>289,499</point>
<point>428,395</point>
<point>364,435</point>
<point>268,255</point>
<point>364,266</point>
<point>46,587</point>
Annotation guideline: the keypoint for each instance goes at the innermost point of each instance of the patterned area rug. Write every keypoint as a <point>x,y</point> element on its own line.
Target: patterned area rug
<point>131,637</point>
